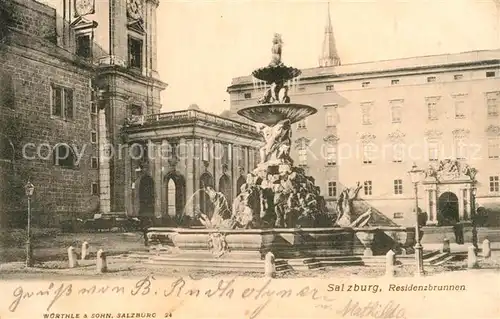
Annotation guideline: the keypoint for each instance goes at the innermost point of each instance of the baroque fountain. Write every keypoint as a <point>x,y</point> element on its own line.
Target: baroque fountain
<point>279,208</point>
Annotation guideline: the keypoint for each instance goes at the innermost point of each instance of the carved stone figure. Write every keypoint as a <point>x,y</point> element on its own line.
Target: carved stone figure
<point>276,50</point>
<point>345,205</point>
<point>267,97</point>
<point>469,172</point>
<point>278,141</point>
<point>217,244</point>
<point>284,98</point>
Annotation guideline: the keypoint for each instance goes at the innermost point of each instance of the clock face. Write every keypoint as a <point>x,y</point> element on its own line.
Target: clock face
<point>134,9</point>
<point>84,7</point>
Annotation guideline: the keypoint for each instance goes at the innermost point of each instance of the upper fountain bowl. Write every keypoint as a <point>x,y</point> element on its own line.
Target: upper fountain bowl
<point>270,114</point>
<point>276,73</point>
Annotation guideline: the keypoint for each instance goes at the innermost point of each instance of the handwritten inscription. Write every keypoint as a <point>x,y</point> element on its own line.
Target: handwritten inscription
<point>372,309</point>
<point>264,293</point>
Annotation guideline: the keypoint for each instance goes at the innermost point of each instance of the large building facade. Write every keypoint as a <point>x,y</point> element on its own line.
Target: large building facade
<point>376,119</point>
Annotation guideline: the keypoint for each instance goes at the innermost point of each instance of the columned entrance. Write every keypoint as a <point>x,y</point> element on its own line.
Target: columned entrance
<point>448,208</point>
<point>448,192</point>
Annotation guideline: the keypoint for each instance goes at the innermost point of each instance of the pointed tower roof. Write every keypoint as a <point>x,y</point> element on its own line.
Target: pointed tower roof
<point>329,55</point>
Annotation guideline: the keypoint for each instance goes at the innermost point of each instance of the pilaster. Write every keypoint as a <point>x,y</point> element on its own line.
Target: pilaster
<point>217,163</point>
<point>128,184</point>
<point>104,168</point>
<point>247,159</point>
<point>461,207</point>
<point>251,159</point>
<point>189,174</point>
<point>157,177</point>
<point>234,169</point>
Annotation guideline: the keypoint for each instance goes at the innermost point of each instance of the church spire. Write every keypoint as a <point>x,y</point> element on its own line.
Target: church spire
<point>329,55</point>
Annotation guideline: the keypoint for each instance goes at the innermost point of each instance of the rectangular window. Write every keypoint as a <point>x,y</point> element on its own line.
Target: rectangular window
<point>329,87</point>
<point>248,95</point>
<point>368,153</point>
<point>397,153</point>
<point>94,162</point>
<point>395,82</point>
<point>93,107</point>
<point>494,148</point>
<point>330,113</point>
<point>366,113</point>
<point>93,137</point>
<point>492,104</point>
<point>433,151</point>
<point>303,157</point>
<point>494,184</point>
<point>432,110</point>
<point>460,149</point>
<point>332,189</point>
<point>331,155</point>
<point>365,84</point>
<point>95,189</point>
<point>398,186</point>
<point>458,77</point>
<point>396,111</point>
<point>431,79</point>
<point>459,109</point>
<point>490,74</point>
<point>135,49</point>
<point>398,215</point>
<point>83,46</point>
<point>368,187</point>
<point>301,124</point>
<point>62,102</point>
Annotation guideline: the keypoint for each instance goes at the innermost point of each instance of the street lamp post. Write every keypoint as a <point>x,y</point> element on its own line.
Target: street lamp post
<point>415,175</point>
<point>29,189</point>
<point>473,218</point>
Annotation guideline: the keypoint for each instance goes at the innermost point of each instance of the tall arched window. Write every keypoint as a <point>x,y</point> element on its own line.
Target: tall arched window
<point>171,198</point>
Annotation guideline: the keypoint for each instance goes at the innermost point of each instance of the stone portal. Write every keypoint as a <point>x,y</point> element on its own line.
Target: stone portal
<point>448,191</point>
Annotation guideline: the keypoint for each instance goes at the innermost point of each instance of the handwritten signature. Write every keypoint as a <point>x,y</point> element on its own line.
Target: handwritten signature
<point>372,309</point>
<point>223,289</point>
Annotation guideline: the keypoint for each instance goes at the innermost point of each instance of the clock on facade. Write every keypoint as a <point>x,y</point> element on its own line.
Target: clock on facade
<point>84,7</point>
<point>135,9</point>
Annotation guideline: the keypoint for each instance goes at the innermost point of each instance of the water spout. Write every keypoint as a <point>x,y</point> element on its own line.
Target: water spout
<point>190,199</point>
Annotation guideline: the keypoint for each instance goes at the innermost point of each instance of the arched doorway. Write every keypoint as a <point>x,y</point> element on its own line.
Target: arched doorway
<point>226,188</point>
<point>241,180</point>
<point>206,206</point>
<point>146,196</point>
<point>175,188</point>
<point>448,207</point>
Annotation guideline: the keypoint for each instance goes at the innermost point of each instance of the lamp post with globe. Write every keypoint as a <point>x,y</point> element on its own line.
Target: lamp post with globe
<point>415,176</point>
<point>29,189</point>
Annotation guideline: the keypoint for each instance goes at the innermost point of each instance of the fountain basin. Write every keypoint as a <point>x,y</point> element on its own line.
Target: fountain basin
<point>270,114</point>
<point>276,73</point>
<point>284,243</point>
